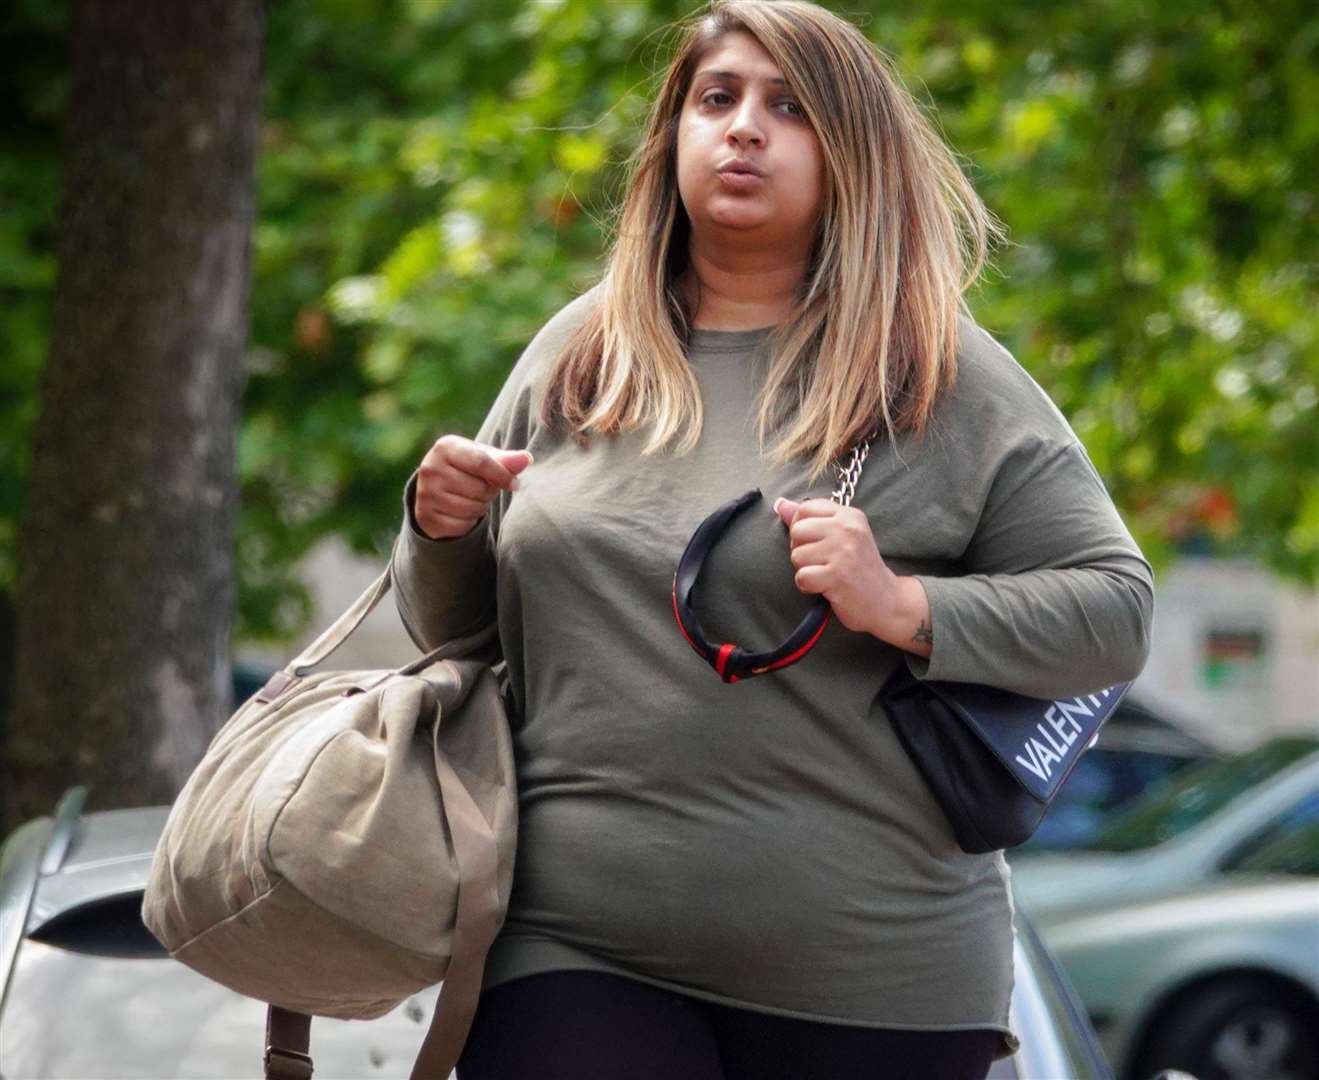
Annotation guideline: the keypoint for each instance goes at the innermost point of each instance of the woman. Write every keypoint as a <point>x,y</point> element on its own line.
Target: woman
<point>750,879</point>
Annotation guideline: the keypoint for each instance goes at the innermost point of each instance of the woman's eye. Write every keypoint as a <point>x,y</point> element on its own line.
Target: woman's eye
<point>709,99</point>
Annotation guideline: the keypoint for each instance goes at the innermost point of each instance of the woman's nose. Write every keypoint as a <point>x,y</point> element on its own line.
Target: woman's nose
<point>745,126</point>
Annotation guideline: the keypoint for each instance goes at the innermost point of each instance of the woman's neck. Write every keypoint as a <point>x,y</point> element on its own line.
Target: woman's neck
<point>724,298</point>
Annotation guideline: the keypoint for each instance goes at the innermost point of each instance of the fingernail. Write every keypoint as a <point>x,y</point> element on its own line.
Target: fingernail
<point>776,503</point>
<point>530,456</point>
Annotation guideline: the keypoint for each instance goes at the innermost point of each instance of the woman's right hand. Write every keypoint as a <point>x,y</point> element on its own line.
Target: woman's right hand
<point>457,479</point>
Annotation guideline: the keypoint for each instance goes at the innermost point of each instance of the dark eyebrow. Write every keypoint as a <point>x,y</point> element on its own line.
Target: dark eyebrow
<point>734,76</point>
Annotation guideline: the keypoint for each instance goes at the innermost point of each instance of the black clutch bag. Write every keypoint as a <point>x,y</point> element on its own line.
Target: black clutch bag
<point>994,760</point>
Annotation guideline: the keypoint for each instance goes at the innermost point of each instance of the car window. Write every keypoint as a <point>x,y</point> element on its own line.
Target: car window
<point>1103,781</point>
<point>109,927</point>
<point>1289,845</point>
<point>1194,795</point>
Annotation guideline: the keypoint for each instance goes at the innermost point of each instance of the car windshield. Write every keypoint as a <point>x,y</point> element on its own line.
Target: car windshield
<point>1292,852</point>
<point>1195,794</point>
<point>1104,782</point>
<point>1289,845</point>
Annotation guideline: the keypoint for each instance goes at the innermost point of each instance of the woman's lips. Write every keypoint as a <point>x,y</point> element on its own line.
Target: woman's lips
<point>740,181</point>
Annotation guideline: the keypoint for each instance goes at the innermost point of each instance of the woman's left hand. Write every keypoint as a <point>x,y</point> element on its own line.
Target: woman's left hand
<point>835,555</point>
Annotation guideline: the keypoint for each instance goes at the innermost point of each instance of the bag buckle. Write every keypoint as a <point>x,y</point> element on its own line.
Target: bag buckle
<point>283,1064</point>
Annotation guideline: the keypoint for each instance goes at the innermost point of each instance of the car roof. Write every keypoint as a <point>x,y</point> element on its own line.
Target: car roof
<point>1154,739</point>
<point>109,856</point>
<point>1135,726</point>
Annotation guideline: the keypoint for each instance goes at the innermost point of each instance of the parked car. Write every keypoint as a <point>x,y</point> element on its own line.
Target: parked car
<point>88,992</point>
<point>1186,830</point>
<point>1221,979</point>
<point>1136,749</point>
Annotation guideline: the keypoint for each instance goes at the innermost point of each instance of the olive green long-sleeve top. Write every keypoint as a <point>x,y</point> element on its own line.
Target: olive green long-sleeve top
<point>768,844</point>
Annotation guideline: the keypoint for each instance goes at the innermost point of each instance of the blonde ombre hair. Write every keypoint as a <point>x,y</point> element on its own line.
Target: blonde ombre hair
<point>872,337</point>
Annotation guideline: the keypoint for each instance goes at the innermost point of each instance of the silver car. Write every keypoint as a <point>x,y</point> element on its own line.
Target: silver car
<point>1219,977</point>
<point>1188,829</point>
<point>1222,980</point>
<point>88,992</point>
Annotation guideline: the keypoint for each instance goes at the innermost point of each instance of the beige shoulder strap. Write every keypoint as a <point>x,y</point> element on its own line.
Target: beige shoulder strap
<point>343,627</point>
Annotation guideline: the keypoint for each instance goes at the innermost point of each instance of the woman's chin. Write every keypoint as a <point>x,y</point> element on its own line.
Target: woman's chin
<point>741,214</point>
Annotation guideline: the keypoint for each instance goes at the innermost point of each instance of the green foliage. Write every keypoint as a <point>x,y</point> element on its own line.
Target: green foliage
<point>431,187</point>
<point>1157,166</point>
<point>435,177</point>
<point>32,84</point>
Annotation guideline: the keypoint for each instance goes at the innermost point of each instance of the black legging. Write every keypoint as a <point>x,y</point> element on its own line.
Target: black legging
<point>586,1025</point>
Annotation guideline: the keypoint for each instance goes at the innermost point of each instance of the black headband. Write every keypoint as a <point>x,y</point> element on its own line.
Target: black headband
<point>729,661</point>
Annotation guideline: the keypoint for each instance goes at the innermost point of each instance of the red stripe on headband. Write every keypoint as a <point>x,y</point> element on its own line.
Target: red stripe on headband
<point>724,652</point>
<point>699,651</point>
<point>792,657</point>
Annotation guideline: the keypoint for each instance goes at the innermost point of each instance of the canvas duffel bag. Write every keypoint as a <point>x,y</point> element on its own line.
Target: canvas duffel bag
<point>346,841</point>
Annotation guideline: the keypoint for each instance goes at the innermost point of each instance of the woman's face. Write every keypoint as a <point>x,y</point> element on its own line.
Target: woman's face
<point>743,114</point>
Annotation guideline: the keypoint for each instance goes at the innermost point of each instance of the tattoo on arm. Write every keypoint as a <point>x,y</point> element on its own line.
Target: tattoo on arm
<point>924,633</point>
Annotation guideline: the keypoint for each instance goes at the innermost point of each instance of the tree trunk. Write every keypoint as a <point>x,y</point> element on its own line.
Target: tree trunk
<point>125,587</point>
